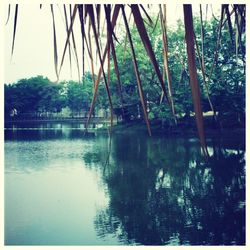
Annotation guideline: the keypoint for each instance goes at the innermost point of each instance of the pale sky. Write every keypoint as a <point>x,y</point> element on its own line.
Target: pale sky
<point>33,53</point>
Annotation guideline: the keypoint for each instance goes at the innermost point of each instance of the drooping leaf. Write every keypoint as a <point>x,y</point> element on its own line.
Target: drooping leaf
<point>156,22</point>
<point>212,11</point>
<point>108,66</point>
<point>80,11</point>
<point>138,79</point>
<point>86,40</point>
<point>89,9</point>
<point>75,47</point>
<point>114,19</point>
<point>69,32</point>
<point>217,44</point>
<point>67,28</point>
<point>113,30</point>
<point>151,23</point>
<point>91,54</point>
<point>126,37</point>
<point>230,15</point>
<point>229,22</point>
<point>239,10</point>
<point>54,42</point>
<point>14,31</point>
<point>165,58</point>
<point>110,41</point>
<point>202,65</point>
<point>202,40</point>
<point>8,17</point>
<point>98,18</point>
<point>189,35</point>
<point>148,47</point>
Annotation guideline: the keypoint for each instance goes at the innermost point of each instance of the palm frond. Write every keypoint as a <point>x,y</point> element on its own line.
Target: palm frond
<point>202,39</point>
<point>8,17</point>
<point>189,35</point>
<point>89,9</point>
<point>98,17</point>
<point>165,59</point>
<point>151,23</point>
<point>202,66</point>
<point>110,41</point>
<point>14,31</point>
<point>126,37</point>
<point>81,14</point>
<point>148,47</point>
<point>156,22</point>
<point>217,44</point>
<point>139,84</point>
<point>67,28</point>
<point>91,53</point>
<point>97,81</point>
<point>69,33</point>
<point>75,47</point>
<point>54,42</point>
<point>239,10</point>
<point>229,22</point>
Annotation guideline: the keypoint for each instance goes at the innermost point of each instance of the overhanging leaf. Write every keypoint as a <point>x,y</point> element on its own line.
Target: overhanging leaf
<point>91,54</point>
<point>217,44</point>
<point>189,35</point>
<point>89,9</point>
<point>229,22</point>
<point>67,28</point>
<point>147,44</point>
<point>110,41</point>
<point>138,79</point>
<point>98,17</point>
<point>54,42</point>
<point>69,31</point>
<point>114,19</point>
<point>8,17</point>
<point>202,65</point>
<point>202,40</point>
<point>147,15</point>
<point>14,31</point>
<point>74,47</point>
<point>156,22</point>
<point>126,37</point>
<point>80,11</point>
<point>165,58</point>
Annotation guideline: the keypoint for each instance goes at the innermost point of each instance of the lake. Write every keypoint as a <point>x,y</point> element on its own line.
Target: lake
<point>64,187</point>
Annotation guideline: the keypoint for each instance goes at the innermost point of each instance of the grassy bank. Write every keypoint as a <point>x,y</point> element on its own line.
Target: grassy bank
<point>188,128</point>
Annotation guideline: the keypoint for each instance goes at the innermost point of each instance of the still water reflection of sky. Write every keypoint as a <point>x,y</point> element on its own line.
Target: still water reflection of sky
<point>63,189</point>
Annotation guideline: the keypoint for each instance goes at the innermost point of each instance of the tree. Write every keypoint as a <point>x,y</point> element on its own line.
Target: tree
<point>34,96</point>
<point>79,94</point>
<point>91,13</point>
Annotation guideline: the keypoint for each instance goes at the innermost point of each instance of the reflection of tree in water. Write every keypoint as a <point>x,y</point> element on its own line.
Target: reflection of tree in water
<point>162,192</point>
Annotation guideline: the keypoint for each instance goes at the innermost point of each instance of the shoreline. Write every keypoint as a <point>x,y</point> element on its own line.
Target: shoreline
<point>188,129</point>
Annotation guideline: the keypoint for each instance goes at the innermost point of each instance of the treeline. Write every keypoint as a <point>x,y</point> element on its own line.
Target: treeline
<point>224,80</point>
<point>38,96</point>
<point>224,73</point>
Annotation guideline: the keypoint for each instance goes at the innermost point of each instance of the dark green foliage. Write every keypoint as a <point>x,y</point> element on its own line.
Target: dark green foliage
<point>226,86</point>
<point>33,95</point>
<point>38,95</point>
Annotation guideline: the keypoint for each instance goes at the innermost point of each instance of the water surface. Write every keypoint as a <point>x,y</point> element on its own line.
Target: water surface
<point>65,188</point>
